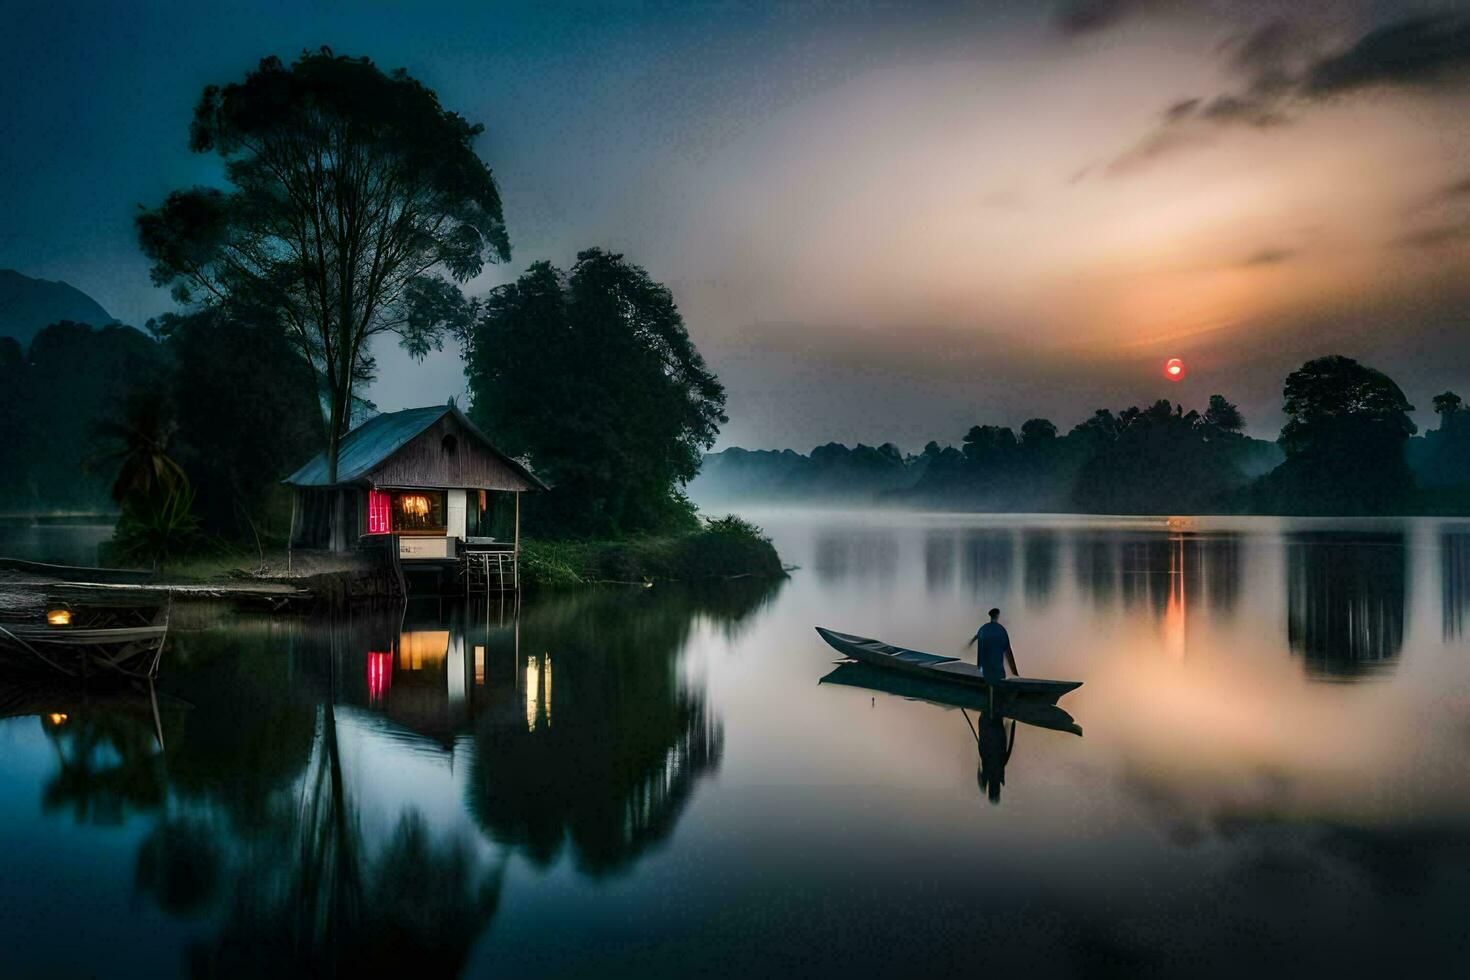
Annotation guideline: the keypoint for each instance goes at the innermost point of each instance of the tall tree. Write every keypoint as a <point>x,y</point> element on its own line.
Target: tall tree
<point>1448,406</point>
<point>1334,404</point>
<point>593,377</point>
<point>352,195</point>
<point>1345,435</point>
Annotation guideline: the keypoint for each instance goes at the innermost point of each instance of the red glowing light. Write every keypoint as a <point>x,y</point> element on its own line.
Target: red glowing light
<point>379,677</point>
<point>379,519</point>
<point>1174,369</point>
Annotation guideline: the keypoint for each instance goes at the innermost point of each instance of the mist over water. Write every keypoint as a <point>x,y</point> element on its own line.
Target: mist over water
<point>1274,723</point>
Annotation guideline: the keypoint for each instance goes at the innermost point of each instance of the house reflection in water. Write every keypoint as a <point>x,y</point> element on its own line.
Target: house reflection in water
<point>433,672</point>
<point>581,736</point>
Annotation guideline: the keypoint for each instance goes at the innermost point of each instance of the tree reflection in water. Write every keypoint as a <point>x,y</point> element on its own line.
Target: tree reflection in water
<point>1345,601</point>
<point>108,762</point>
<point>855,554</point>
<point>1040,549</point>
<point>603,758</point>
<point>1167,573</point>
<point>257,826</point>
<point>1454,558</point>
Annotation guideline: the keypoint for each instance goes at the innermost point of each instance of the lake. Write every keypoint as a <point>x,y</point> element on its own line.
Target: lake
<point>1272,772</point>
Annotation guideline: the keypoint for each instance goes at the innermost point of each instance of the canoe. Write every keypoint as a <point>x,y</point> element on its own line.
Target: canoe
<point>931,666</point>
<point>1028,711</point>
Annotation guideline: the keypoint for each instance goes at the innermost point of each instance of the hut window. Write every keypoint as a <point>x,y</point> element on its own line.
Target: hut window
<point>419,512</point>
<point>380,511</point>
<point>450,444</point>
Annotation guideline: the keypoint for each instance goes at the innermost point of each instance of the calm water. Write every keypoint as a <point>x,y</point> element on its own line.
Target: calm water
<point>1272,773</point>
<point>61,542</point>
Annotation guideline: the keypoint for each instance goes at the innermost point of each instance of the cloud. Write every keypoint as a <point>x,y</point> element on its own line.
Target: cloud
<point>1244,109</point>
<point>1090,16</point>
<point>1434,237</point>
<point>1451,192</point>
<point>1268,49</point>
<point>1423,51</point>
<point>1285,69</point>
<point>1270,256</point>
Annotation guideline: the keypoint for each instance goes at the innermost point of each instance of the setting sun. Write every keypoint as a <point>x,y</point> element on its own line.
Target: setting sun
<point>1174,369</point>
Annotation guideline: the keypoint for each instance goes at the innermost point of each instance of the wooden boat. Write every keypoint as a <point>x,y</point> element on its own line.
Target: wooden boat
<point>950,670</point>
<point>1029,711</point>
<point>120,640</point>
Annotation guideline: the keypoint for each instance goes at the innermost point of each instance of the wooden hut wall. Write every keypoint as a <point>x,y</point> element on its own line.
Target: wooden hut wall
<point>447,455</point>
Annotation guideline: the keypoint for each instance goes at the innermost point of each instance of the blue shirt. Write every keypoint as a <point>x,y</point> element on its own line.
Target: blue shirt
<point>993,642</point>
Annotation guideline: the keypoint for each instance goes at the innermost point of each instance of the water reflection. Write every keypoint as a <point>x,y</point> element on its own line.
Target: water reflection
<point>855,554</point>
<point>546,775</point>
<point>1095,566</point>
<point>939,560</point>
<point>1165,574</point>
<point>462,789</point>
<point>108,760</point>
<point>583,735</point>
<point>986,557</point>
<point>1039,547</point>
<point>995,744</point>
<point>1454,557</point>
<point>1345,601</point>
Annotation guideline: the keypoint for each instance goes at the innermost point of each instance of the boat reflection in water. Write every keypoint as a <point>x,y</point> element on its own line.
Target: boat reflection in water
<point>992,740</point>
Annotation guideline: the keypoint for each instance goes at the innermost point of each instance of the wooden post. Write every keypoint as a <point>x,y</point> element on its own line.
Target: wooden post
<point>515,570</point>
<point>291,534</point>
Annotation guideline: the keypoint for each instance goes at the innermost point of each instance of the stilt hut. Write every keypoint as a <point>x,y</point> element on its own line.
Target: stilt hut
<point>426,483</point>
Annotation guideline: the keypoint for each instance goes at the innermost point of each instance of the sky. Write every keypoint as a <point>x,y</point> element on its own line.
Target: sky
<point>882,221</point>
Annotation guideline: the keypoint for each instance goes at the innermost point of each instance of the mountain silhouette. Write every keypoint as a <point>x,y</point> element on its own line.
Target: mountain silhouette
<point>27,305</point>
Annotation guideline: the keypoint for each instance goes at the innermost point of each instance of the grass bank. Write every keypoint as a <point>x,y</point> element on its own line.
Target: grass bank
<point>727,547</point>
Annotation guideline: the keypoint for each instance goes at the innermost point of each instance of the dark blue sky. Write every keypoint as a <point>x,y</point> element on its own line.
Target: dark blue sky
<point>980,211</point>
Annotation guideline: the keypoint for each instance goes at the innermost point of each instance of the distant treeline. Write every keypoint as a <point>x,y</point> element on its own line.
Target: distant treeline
<point>88,411</point>
<point>1348,447</point>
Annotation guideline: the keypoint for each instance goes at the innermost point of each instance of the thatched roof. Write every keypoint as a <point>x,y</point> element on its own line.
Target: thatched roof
<point>366,448</point>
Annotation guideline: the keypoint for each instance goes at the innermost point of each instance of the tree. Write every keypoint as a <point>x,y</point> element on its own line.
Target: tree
<point>352,194</point>
<point>987,443</point>
<point>51,402</point>
<point>1159,459</point>
<point>1223,416</point>
<point>156,519</point>
<point>1037,432</point>
<point>1448,406</point>
<point>1345,436</point>
<point>252,417</point>
<point>137,442</point>
<point>1334,404</point>
<point>592,376</point>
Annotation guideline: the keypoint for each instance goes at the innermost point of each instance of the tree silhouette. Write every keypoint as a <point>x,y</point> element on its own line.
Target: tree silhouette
<point>1447,405</point>
<point>1345,435</point>
<point>353,193</point>
<point>1223,415</point>
<point>1037,432</point>
<point>592,375</point>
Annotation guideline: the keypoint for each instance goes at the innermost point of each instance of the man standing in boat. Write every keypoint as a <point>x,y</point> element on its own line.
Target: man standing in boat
<point>994,650</point>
